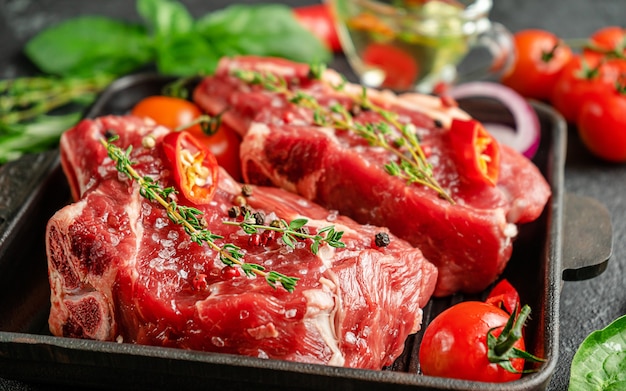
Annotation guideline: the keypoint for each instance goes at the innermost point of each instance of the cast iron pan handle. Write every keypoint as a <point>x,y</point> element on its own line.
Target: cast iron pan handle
<point>587,238</point>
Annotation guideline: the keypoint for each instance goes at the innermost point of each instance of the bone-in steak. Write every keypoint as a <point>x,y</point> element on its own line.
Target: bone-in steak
<point>120,270</point>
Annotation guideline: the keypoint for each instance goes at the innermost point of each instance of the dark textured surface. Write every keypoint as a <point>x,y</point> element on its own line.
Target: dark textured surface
<point>585,305</point>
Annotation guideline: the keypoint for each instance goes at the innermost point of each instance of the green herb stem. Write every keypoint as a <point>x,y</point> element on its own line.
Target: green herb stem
<point>36,136</point>
<point>414,167</point>
<point>293,231</point>
<point>190,219</point>
<point>167,36</point>
<point>26,98</point>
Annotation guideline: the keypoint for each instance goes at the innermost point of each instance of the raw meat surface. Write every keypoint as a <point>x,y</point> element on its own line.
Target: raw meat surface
<point>119,270</point>
<point>470,241</point>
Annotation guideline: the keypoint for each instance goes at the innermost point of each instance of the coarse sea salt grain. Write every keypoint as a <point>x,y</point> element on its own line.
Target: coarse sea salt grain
<point>167,253</point>
<point>217,341</point>
<point>157,264</point>
<point>160,223</point>
<point>167,243</point>
<point>114,240</point>
<point>350,338</point>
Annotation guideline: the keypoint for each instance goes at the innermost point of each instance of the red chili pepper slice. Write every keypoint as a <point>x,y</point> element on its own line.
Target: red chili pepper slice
<point>476,152</point>
<point>504,296</point>
<point>194,166</point>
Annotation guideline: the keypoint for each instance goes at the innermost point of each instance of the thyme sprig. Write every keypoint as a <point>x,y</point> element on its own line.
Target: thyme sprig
<point>191,219</point>
<point>292,232</point>
<point>411,165</point>
<point>27,98</point>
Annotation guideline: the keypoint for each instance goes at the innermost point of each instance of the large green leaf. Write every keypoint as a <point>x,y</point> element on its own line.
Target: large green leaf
<point>88,45</point>
<point>264,30</point>
<point>186,55</point>
<point>165,18</point>
<point>180,50</point>
<point>600,362</point>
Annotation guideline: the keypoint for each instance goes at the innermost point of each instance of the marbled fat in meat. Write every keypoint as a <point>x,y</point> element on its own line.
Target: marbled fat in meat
<point>120,270</point>
<point>470,241</point>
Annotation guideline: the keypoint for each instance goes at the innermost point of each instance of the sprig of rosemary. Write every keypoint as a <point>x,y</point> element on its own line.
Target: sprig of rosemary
<point>191,219</point>
<point>403,142</point>
<point>292,232</point>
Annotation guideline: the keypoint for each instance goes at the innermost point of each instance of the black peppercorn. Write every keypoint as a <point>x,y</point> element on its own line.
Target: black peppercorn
<point>246,190</point>
<point>259,218</point>
<point>382,239</point>
<point>234,212</point>
<point>109,133</point>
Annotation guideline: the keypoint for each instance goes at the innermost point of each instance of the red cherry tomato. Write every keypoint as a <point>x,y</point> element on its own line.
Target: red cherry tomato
<point>401,70</point>
<point>455,344</point>
<point>580,80</point>
<point>168,111</point>
<point>318,19</point>
<point>175,113</point>
<point>602,125</point>
<point>540,57</point>
<point>224,145</point>
<point>194,167</point>
<point>476,152</point>
<point>609,40</point>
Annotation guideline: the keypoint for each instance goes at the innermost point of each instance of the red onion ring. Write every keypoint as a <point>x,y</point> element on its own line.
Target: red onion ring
<point>526,135</point>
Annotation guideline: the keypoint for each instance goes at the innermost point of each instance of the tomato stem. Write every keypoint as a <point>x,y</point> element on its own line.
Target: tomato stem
<point>584,43</point>
<point>210,125</point>
<point>549,55</point>
<point>501,349</point>
<point>179,88</point>
<point>620,85</point>
<point>589,73</point>
<point>512,332</point>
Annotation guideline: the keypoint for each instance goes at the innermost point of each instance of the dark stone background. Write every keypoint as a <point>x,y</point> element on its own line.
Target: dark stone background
<point>586,305</point>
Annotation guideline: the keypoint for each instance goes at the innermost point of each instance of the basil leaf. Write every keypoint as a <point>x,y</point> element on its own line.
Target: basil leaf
<point>179,50</point>
<point>600,362</point>
<point>263,30</point>
<point>186,56</point>
<point>165,18</point>
<point>88,45</point>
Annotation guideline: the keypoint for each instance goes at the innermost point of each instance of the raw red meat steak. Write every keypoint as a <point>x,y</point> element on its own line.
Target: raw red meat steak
<point>120,270</point>
<point>470,241</point>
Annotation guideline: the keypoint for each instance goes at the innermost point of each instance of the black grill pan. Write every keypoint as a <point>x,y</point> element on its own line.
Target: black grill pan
<point>572,240</point>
